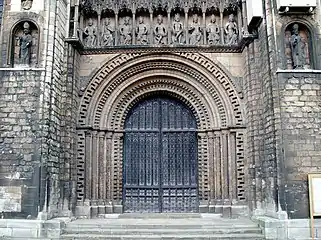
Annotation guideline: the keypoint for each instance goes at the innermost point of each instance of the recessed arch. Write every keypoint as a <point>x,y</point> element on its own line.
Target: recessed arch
<point>313,33</point>
<point>202,85</point>
<point>34,31</point>
<point>150,83</point>
<point>215,82</point>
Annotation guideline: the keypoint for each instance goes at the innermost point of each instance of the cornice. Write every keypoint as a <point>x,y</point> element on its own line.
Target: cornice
<point>246,40</point>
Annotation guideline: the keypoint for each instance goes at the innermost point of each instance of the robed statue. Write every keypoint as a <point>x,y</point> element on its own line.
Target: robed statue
<point>25,43</point>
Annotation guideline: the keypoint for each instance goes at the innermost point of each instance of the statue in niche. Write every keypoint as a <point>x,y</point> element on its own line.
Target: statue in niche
<point>90,33</point>
<point>142,32</point>
<point>213,31</point>
<point>25,43</point>
<point>125,31</point>
<point>195,31</point>
<point>26,4</point>
<point>231,31</point>
<point>177,30</point>
<point>160,31</point>
<point>298,47</point>
<point>107,34</point>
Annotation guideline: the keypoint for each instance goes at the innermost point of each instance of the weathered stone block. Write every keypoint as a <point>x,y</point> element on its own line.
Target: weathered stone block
<point>25,232</point>
<point>10,199</point>
<point>6,232</point>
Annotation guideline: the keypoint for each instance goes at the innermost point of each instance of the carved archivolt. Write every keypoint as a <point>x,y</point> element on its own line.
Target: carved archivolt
<point>206,89</point>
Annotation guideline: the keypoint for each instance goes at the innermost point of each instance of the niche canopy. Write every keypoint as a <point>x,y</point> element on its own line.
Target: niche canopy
<point>106,25</point>
<point>296,6</point>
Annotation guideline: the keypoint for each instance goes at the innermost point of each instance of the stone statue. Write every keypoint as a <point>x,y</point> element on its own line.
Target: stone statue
<point>213,31</point>
<point>26,4</point>
<point>25,43</point>
<point>195,31</point>
<point>160,31</point>
<point>90,33</point>
<point>125,31</point>
<point>142,32</point>
<point>107,34</point>
<point>297,48</point>
<point>231,31</point>
<point>177,30</point>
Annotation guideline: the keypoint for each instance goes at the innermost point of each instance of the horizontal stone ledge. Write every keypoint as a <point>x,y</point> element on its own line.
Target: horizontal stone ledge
<point>198,130</point>
<point>294,71</point>
<point>22,69</point>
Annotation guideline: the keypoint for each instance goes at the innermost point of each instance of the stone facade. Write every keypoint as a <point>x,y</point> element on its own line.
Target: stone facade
<point>256,102</point>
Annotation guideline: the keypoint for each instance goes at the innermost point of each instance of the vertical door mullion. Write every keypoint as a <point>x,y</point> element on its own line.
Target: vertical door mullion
<point>160,162</point>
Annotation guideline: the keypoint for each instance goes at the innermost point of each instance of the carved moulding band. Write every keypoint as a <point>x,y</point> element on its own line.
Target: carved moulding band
<point>197,69</point>
<point>133,92</point>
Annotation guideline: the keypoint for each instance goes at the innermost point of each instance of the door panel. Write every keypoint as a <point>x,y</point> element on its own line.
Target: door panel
<point>160,158</point>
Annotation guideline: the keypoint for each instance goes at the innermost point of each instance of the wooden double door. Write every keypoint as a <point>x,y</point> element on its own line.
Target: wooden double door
<point>160,157</point>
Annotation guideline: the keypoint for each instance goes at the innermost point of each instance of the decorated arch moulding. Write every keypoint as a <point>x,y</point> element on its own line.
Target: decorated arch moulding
<point>309,21</point>
<point>215,83</point>
<point>175,79</point>
<point>152,84</point>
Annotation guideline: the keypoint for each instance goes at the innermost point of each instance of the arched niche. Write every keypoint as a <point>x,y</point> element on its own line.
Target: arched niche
<point>298,46</point>
<point>24,44</point>
<point>107,28</point>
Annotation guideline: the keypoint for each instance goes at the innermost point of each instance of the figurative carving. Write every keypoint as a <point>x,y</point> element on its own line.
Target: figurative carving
<point>125,31</point>
<point>177,30</point>
<point>213,31</point>
<point>297,48</point>
<point>90,33</point>
<point>143,25</point>
<point>25,43</point>
<point>160,31</point>
<point>231,31</point>
<point>26,4</point>
<point>107,34</point>
<point>195,31</point>
<point>142,32</point>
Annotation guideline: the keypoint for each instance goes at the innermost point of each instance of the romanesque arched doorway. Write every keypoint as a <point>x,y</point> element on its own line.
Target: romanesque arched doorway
<point>194,83</point>
<point>160,157</point>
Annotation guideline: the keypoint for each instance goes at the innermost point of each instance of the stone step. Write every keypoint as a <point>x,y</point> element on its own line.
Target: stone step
<point>161,223</point>
<point>166,215</point>
<point>162,226</point>
<point>168,237</point>
<point>196,226</point>
<point>163,231</point>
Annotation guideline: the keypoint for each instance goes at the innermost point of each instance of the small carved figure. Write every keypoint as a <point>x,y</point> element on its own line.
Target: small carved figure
<point>125,31</point>
<point>25,43</point>
<point>160,31</point>
<point>26,4</point>
<point>195,31</point>
<point>213,31</point>
<point>231,31</point>
<point>142,32</point>
<point>177,30</point>
<point>90,33</point>
<point>298,48</point>
<point>107,36</point>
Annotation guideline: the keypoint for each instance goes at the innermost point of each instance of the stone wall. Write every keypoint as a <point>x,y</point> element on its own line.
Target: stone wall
<point>258,90</point>
<point>300,110</point>
<point>283,119</point>
<point>56,89</point>
<point>19,134</point>
<point>34,106</point>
